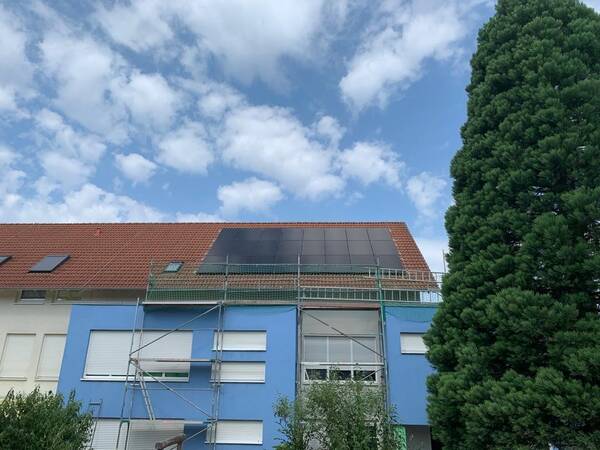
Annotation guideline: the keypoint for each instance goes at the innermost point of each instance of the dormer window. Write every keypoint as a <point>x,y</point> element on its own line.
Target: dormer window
<point>32,296</point>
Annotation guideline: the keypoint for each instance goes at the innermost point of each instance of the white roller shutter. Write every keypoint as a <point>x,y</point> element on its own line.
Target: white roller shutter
<point>177,345</point>
<point>237,432</point>
<point>143,435</point>
<point>51,355</point>
<point>105,435</point>
<point>241,372</point>
<point>412,343</point>
<point>17,355</point>
<point>243,340</point>
<point>108,353</point>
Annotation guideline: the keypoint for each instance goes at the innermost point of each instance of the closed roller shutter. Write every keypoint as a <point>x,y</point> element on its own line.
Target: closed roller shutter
<point>53,347</point>
<point>412,343</point>
<point>142,436</point>
<point>241,372</point>
<point>238,432</point>
<point>108,353</point>
<point>243,340</point>
<point>17,355</point>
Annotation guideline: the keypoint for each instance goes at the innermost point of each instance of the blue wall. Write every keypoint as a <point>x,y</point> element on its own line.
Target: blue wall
<point>238,401</point>
<point>408,373</point>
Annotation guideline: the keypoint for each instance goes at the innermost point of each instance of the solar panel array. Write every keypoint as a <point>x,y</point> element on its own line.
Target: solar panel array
<point>330,246</point>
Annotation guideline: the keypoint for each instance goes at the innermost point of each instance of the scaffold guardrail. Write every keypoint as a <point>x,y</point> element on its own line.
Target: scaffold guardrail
<point>291,283</point>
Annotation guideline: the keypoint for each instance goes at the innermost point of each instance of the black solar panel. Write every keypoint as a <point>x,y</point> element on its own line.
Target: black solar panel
<point>49,263</point>
<point>335,246</point>
<point>3,259</point>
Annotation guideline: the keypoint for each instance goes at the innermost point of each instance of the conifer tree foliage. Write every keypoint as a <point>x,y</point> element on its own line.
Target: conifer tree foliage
<point>516,342</point>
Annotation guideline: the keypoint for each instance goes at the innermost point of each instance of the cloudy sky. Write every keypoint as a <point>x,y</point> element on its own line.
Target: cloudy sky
<point>234,110</point>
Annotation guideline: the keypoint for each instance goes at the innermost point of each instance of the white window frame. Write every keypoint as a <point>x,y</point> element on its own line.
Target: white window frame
<point>412,350</point>
<point>241,348</point>
<point>39,361</point>
<point>163,376</point>
<point>27,370</point>
<point>259,380</point>
<point>211,438</point>
<point>354,368</point>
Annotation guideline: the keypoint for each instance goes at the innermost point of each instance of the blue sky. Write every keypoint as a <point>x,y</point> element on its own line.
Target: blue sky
<point>234,110</point>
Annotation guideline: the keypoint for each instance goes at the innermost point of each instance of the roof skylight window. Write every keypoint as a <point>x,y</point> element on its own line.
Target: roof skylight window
<point>4,258</point>
<point>49,263</point>
<point>173,266</point>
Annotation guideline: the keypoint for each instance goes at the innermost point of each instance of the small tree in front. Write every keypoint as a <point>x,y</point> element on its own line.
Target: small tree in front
<point>43,421</point>
<point>333,415</point>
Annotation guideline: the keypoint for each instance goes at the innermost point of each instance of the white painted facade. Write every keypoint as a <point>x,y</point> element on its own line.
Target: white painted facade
<point>28,324</point>
<point>31,331</point>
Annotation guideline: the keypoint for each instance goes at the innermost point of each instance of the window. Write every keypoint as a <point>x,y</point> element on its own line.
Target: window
<point>241,372</point>
<point>108,355</point>
<point>341,357</point>
<point>51,355</point>
<point>173,266</point>
<point>49,263</point>
<point>340,349</point>
<point>242,341</point>
<point>236,432</point>
<point>4,258</point>
<point>143,434</point>
<point>32,297</point>
<point>16,356</point>
<point>412,343</point>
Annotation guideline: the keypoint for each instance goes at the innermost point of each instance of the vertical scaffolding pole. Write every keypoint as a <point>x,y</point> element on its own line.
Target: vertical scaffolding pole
<point>216,366</point>
<point>383,333</point>
<point>298,330</point>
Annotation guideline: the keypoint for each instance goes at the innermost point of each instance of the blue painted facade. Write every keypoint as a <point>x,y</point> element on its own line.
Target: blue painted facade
<point>407,373</point>
<point>238,401</point>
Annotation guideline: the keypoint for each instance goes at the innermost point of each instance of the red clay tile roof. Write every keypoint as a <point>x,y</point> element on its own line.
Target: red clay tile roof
<point>118,255</point>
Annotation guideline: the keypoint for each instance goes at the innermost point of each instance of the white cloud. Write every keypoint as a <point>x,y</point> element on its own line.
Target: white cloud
<point>425,191</point>
<point>65,171</point>
<point>331,129</point>
<point>404,36</point>
<point>218,99</point>
<point>17,71</point>
<point>370,162</point>
<point>84,71</point>
<point>251,195</point>
<point>11,179</point>
<point>135,167</point>
<point>140,26</point>
<point>149,98</point>
<point>272,142</point>
<point>186,149</point>
<point>198,217</point>
<point>249,39</point>
<point>433,250</point>
<point>87,204</point>
<point>62,137</point>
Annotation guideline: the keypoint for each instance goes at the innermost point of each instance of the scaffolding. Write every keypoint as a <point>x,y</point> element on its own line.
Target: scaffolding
<point>217,286</point>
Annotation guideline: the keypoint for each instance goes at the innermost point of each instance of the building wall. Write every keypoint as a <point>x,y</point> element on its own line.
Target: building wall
<point>238,401</point>
<point>37,320</point>
<point>408,373</point>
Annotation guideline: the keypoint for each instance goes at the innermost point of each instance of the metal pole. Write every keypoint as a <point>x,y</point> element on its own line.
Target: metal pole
<point>383,336</point>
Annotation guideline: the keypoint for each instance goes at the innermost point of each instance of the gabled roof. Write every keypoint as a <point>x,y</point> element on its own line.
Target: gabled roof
<point>118,255</point>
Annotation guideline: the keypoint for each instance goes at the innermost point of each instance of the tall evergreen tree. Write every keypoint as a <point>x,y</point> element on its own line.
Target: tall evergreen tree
<point>516,342</point>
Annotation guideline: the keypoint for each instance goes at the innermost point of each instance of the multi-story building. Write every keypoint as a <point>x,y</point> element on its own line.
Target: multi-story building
<point>195,330</point>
